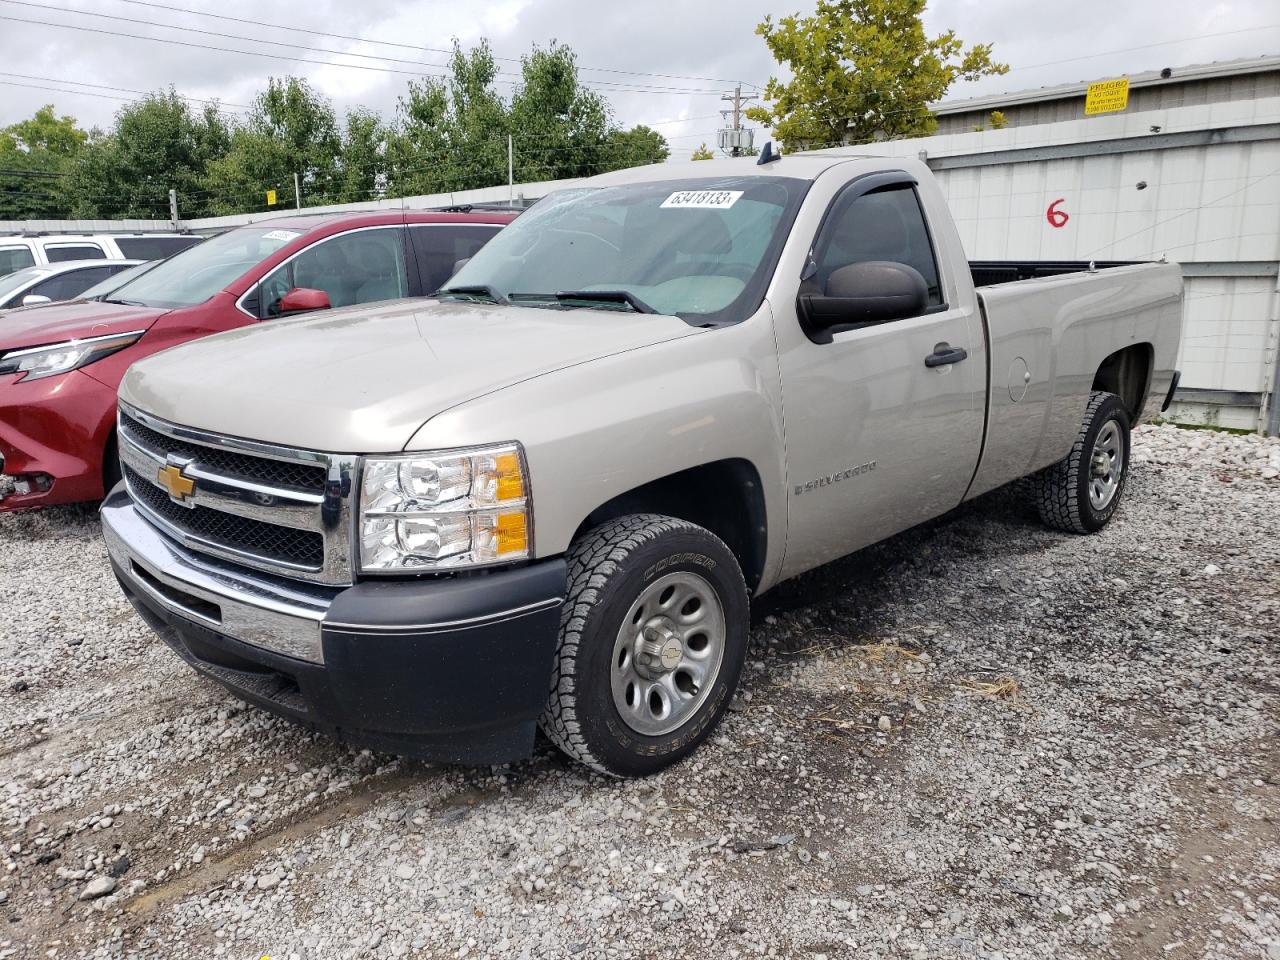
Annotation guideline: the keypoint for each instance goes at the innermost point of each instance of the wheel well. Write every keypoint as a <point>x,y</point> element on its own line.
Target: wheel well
<point>725,497</point>
<point>1127,374</point>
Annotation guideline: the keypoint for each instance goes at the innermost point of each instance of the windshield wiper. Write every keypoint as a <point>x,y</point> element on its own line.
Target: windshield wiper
<point>475,290</point>
<point>591,296</point>
<point>127,303</point>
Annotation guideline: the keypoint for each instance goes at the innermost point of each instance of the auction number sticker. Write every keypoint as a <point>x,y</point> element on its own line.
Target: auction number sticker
<point>701,200</point>
<point>285,235</point>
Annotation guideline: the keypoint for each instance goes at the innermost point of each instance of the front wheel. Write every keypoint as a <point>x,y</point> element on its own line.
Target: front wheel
<point>652,642</point>
<point>1080,493</point>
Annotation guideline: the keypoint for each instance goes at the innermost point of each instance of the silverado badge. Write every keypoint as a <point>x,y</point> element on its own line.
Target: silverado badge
<point>178,484</point>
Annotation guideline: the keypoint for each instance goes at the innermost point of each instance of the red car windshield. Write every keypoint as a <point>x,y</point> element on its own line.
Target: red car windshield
<point>197,273</point>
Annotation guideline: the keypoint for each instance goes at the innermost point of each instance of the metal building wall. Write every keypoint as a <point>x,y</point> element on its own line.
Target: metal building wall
<point>1156,95</point>
<point>1210,200</point>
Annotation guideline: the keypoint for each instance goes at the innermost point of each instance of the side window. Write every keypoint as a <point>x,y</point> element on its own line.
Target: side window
<point>439,246</point>
<point>63,252</point>
<point>883,225</point>
<point>154,248</point>
<point>68,285</point>
<point>15,258</point>
<point>363,266</point>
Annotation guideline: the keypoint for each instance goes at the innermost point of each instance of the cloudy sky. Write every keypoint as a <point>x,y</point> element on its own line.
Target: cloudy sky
<point>662,63</point>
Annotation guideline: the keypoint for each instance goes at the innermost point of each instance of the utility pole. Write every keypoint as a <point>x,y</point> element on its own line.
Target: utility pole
<point>297,193</point>
<point>173,208</point>
<point>735,139</point>
<point>511,180</point>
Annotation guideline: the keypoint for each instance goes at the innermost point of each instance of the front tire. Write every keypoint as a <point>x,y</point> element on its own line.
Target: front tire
<point>652,640</point>
<point>1081,493</point>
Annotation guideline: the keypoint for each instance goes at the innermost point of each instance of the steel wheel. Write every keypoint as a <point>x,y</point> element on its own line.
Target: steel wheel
<point>667,654</point>
<point>1106,465</point>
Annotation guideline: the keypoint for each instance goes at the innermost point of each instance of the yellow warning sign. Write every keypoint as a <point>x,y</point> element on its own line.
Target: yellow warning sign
<point>1106,96</point>
<point>271,195</point>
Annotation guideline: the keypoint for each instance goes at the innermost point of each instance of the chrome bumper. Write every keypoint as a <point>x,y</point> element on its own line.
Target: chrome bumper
<point>260,610</point>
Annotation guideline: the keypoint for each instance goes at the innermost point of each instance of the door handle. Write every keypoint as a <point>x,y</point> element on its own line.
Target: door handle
<point>945,355</point>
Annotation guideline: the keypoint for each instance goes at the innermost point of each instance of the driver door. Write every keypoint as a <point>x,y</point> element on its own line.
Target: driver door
<point>877,441</point>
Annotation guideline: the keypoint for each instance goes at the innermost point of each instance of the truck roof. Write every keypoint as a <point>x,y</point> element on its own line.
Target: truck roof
<point>799,166</point>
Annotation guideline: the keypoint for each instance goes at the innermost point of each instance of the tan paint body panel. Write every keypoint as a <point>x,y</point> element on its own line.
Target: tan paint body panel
<point>363,379</point>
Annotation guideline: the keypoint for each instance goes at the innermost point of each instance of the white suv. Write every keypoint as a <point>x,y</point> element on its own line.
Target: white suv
<point>18,251</point>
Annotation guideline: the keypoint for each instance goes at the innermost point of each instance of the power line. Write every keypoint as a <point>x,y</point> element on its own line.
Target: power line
<point>104,86</point>
<point>405,46</point>
<point>1145,46</point>
<point>621,88</point>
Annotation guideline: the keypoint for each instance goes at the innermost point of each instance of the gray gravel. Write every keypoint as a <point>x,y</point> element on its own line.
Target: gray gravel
<point>980,739</point>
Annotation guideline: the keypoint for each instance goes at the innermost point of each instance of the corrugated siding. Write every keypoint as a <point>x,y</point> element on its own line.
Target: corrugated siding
<point>1253,86</point>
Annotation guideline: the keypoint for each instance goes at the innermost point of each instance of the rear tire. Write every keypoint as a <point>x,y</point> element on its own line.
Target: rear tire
<point>1081,493</point>
<point>652,640</point>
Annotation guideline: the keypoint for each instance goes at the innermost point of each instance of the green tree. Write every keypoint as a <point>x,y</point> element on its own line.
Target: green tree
<point>362,166</point>
<point>291,129</point>
<point>157,144</point>
<point>861,70</point>
<point>452,132</point>
<point>35,156</point>
<point>562,126</point>
<point>702,153</point>
<point>635,147</point>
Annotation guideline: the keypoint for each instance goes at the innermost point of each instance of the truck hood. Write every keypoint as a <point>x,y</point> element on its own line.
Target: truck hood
<point>57,322</point>
<point>363,380</point>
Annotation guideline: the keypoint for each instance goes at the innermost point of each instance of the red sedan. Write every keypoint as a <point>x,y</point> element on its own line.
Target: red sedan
<point>60,365</point>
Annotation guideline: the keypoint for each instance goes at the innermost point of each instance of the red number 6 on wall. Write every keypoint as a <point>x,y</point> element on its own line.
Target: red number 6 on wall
<point>1056,217</point>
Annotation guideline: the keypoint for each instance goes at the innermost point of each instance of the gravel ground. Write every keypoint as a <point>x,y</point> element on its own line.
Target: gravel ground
<point>979,739</point>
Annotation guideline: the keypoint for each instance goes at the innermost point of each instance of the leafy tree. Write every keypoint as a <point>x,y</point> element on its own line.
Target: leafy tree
<point>635,147</point>
<point>562,126</point>
<point>291,129</point>
<point>862,70</point>
<point>702,153</point>
<point>362,166</point>
<point>158,144</point>
<point>452,132</point>
<point>35,156</point>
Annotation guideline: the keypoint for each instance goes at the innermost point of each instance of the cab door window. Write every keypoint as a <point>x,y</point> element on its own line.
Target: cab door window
<point>885,224</point>
<point>62,252</point>
<point>363,266</point>
<point>15,258</point>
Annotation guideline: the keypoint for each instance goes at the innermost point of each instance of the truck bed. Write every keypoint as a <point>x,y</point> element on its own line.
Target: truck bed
<point>988,273</point>
<point>1045,339</point>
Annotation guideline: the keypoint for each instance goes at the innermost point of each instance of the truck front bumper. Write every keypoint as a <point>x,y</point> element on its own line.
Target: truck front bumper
<point>454,670</point>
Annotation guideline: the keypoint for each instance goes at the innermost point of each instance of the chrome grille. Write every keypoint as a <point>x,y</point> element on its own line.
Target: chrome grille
<point>303,476</point>
<point>278,509</point>
<point>227,530</point>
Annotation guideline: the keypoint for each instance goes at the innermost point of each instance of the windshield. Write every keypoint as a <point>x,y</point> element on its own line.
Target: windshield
<point>197,273</point>
<point>117,280</point>
<point>16,281</point>
<point>699,249</point>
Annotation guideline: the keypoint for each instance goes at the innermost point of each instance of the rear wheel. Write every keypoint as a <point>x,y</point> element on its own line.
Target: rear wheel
<point>1081,493</point>
<point>652,641</point>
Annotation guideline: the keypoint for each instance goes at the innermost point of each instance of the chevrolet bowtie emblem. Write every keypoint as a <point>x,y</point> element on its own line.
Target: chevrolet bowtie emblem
<point>179,486</point>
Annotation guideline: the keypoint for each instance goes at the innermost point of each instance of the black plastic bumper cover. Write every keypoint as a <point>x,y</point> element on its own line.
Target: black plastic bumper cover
<point>451,670</point>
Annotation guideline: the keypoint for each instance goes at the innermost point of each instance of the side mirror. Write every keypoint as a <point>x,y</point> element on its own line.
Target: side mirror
<point>34,300</point>
<point>862,294</point>
<point>303,298</point>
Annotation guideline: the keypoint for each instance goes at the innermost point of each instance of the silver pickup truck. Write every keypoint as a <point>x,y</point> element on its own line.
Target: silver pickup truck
<point>545,496</point>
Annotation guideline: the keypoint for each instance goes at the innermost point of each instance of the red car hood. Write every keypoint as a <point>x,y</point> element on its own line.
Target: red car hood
<point>72,321</point>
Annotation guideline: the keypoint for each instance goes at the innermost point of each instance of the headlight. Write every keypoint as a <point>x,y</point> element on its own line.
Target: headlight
<point>37,362</point>
<point>429,511</point>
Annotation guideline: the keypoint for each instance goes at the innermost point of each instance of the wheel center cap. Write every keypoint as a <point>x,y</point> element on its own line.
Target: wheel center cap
<point>1101,465</point>
<point>658,650</point>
